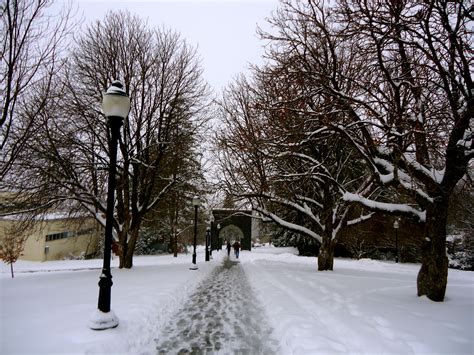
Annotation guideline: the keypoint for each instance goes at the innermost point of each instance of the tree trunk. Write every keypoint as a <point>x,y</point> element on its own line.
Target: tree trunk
<point>11,268</point>
<point>326,255</point>
<point>175,245</point>
<point>128,259</point>
<point>433,275</point>
<point>122,251</point>
<point>127,256</point>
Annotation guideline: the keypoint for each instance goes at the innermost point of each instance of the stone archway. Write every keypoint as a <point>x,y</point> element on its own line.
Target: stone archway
<point>234,224</point>
<point>231,233</point>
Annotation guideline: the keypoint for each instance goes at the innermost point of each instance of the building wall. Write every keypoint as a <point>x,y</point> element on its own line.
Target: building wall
<point>55,239</point>
<point>34,247</point>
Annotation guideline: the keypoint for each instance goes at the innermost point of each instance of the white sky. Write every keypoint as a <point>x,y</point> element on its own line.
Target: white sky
<point>223,30</point>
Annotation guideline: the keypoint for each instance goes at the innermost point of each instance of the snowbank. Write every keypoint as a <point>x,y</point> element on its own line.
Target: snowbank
<point>361,307</point>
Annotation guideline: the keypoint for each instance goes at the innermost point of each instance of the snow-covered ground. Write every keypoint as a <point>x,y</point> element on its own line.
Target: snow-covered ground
<point>361,307</point>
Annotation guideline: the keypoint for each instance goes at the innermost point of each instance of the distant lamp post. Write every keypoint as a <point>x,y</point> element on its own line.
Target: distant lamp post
<point>115,106</point>
<point>196,204</point>
<point>219,241</point>
<point>212,220</point>
<point>396,225</point>
<point>208,238</point>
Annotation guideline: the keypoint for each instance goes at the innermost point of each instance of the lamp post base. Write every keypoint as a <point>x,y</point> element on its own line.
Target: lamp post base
<point>193,267</point>
<point>101,320</point>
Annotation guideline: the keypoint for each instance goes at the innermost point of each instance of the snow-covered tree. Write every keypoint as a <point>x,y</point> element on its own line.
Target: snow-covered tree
<point>274,151</point>
<point>67,161</point>
<point>400,74</point>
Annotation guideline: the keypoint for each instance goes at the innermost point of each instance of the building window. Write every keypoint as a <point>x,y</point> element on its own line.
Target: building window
<point>62,235</point>
<point>86,231</point>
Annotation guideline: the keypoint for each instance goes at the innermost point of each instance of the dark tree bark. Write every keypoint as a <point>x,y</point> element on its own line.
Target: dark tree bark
<point>433,275</point>
<point>326,254</point>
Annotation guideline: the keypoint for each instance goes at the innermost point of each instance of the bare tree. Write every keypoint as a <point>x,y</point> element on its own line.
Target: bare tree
<point>163,77</point>
<point>400,71</point>
<point>276,154</point>
<point>12,245</point>
<point>31,55</point>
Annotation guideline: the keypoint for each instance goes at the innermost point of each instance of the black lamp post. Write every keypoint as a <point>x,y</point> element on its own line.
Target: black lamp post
<point>208,237</point>
<point>115,105</point>
<point>396,225</point>
<point>211,219</point>
<point>196,204</point>
<point>219,241</point>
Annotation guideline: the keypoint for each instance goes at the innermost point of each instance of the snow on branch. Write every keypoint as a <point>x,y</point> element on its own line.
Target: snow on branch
<point>291,226</point>
<point>360,219</point>
<point>404,179</point>
<point>385,207</point>
<point>358,147</point>
<point>303,209</point>
<point>158,197</point>
<point>310,200</point>
<point>435,175</point>
<point>139,162</point>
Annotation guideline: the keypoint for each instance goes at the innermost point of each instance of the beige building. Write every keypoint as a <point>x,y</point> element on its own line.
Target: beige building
<point>57,237</point>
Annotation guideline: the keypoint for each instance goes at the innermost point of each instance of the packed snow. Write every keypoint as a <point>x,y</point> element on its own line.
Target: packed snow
<point>361,307</point>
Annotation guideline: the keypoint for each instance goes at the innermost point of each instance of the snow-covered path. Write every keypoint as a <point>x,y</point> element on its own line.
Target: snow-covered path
<point>221,316</point>
<point>362,307</point>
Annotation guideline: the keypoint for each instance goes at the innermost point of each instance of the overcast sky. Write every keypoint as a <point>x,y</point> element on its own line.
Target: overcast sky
<point>223,30</point>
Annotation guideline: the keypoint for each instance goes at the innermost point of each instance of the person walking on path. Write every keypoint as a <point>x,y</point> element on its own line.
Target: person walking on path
<point>228,248</point>
<point>236,249</point>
